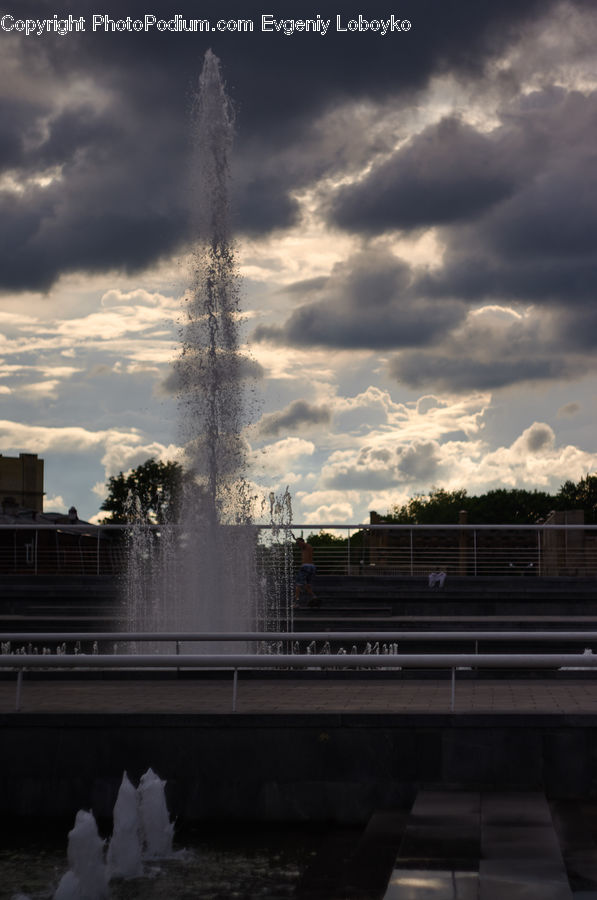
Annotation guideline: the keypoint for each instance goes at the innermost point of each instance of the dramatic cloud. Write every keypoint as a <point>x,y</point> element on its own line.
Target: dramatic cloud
<point>414,218</point>
<point>495,347</point>
<point>119,198</point>
<point>536,244</point>
<point>534,457</point>
<point>447,173</point>
<point>367,302</point>
<point>298,414</point>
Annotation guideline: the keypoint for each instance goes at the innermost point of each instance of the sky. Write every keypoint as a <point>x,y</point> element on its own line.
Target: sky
<point>414,213</point>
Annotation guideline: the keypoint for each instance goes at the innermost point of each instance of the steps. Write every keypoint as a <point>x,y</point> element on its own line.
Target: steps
<point>58,602</point>
<point>471,845</point>
<point>411,595</point>
<point>463,845</point>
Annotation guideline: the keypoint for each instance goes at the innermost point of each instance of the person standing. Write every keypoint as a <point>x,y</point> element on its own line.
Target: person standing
<point>305,575</point>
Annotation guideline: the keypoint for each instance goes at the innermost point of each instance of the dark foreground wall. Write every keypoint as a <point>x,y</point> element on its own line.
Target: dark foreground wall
<point>287,767</point>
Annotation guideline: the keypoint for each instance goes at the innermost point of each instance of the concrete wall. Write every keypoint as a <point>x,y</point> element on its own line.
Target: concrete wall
<point>323,767</point>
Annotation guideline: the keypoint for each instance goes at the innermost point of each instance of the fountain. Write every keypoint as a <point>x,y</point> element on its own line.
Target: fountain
<point>201,573</point>
<point>142,831</point>
<point>87,878</point>
<point>155,825</point>
<point>125,850</point>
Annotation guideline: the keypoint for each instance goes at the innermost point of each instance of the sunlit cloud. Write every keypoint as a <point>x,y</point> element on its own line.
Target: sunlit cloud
<point>121,449</point>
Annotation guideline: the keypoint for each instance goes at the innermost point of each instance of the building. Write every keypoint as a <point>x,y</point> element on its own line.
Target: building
<point>22,482</point>
<point>36,542</point>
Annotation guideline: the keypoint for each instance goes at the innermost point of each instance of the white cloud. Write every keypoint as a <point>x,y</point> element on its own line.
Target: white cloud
<point>125,451</point>
<point>55,504</point>
<point>41,388</point>
<point>121,449</point>
<point>381,420</point>
<point>323,498</point>
<point>139,297</point>
<point>335,513</point>
<point>10,320</point>
<point>281,456</point>
<point>99,489</point>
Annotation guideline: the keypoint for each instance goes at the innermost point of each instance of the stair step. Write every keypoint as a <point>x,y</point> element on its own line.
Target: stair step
<point>466,844</point>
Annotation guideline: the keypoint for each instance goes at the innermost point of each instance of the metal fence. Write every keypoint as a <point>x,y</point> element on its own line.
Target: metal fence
<point>465,550</point>
<point>20,662</point>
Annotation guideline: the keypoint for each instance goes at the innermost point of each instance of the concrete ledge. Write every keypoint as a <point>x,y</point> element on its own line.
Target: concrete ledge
<point>338,767</point>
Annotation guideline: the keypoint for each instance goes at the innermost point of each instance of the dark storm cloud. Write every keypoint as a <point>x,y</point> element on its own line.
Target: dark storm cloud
<point>516,208</point>
<point>496,348</point>
<point>17,120</point>
<point>122,200</point>
<point>447,173</point>
<point>452,373</point>
<point>533,243</point>
<point>367,302</point>
<point>296,416</point>
<point>108,209</point>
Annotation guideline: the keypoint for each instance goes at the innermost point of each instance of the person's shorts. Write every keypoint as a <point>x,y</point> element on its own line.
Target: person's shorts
<point>305,574</point>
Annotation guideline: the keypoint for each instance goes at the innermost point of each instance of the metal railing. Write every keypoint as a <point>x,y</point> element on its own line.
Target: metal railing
<point>178,638</point>
<point>391,550</point>
<point>21,662</point>
<point>463,550</point>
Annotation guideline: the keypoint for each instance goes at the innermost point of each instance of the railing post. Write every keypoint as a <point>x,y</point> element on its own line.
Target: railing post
<point>453,691</point>
<point>411,553</point>
<point>234,690</point>
<point>475,550</point>
<point>348,546</point>
<point>35,549</point>
<point>97,552</point>
<point>19,686</point>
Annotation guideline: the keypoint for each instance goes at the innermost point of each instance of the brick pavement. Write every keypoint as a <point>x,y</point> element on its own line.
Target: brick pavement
<point>214,696</point>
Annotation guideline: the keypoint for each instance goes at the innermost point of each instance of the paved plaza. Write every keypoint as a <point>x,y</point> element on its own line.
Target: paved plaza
<point>301,695</point>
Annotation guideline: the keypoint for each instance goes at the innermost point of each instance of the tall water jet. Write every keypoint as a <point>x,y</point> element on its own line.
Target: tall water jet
<point>218,560</point>
<point>209,579</point>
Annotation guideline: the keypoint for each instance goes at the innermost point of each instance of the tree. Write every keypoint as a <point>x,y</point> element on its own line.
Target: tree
<point>509,506</point>
<point>325,539</point>
<point>506,506</point>
<point>151,492</point>
<point>440,507</point>
<point>580,496</point>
